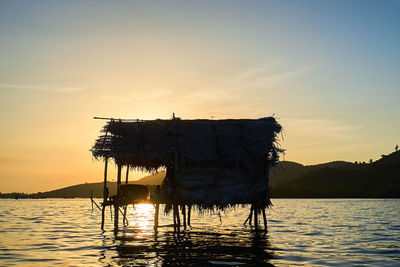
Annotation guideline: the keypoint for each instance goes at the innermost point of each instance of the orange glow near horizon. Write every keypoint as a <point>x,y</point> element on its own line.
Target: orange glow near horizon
<point>335,93</point>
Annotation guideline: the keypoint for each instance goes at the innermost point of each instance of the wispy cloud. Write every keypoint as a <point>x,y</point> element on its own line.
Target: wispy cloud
<point>252,78</point>
<point>138,95</point>
<point>322,129</point>
<point>263,79</point>
<point>64,89</point>
<point>235,87</point>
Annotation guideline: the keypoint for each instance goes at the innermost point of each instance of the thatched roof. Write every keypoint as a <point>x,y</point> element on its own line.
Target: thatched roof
<point>152,144</point>
<point>216,163</point>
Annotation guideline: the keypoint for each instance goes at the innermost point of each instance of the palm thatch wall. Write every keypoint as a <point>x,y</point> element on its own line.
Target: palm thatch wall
<point>210,163</point>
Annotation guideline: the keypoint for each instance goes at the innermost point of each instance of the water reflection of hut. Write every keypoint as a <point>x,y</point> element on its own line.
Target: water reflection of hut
<point>210,164</point>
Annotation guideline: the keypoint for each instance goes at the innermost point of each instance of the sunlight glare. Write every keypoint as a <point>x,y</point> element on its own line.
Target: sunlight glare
<point>141,216</point>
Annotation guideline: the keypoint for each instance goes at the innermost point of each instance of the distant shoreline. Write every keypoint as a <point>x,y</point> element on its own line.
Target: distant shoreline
<point>337,179</point>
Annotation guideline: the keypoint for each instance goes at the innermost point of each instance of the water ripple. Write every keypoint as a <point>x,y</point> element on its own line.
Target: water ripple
<point>318,232</point>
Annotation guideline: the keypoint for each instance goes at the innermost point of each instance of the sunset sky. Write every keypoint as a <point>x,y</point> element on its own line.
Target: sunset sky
<point>328,70</point>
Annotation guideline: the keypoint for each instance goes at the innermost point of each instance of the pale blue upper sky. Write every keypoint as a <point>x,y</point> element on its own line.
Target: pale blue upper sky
<point>329,70</point>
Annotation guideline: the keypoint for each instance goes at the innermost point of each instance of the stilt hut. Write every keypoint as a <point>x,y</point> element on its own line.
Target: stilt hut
<point>210,164</point>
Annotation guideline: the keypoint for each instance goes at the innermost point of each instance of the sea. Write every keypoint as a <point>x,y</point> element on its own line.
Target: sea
<point>301,232</point>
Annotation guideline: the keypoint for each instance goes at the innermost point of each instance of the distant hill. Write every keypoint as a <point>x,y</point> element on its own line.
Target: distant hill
<point>286,171</point>
<point>154,179</point>
<point>378,179</point>
<point>288,179</point>
<point>96,189</point>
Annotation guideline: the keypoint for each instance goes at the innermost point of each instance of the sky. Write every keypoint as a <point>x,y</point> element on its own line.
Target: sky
<point>329,71</point>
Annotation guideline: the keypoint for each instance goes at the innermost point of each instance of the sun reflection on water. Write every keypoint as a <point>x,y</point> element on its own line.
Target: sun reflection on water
<point>141,216</point>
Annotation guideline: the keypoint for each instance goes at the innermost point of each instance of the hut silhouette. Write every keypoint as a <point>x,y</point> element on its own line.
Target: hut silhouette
<point>210,164</point>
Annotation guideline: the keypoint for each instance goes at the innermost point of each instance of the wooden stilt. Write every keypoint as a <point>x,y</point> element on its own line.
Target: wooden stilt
<point>91,197</point>
<point>126,207</point>
<point>249,217</point>
<point>256,218</point>
<point>184,216</point>
<point>127,174</point>
<point>189,213</point>
<point>126,222</point>
<point>265,220</point>
<point>156,216</point>
<point>251,214</point>
<point>94,203</point>
<point>105,194</point>
<point>116,217</point>
<point>116,204</point>
<point>102,217</point>
<point>178,220</point>
<point>174,215</point>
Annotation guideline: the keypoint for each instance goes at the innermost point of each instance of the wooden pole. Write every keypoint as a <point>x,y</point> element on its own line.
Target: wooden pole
<point>189,212</point>
<point>184,216</point>
<point>127,174</point>
<point>91,197</point>
<point>156,216</point>
<point>265,220</point>
<point>174,216</point>
<point>116,204</point>
<point>251,214</point>
<point>178,219</point>
<point>126,207</point>
<point>105,194</point>
<point>256,218</point>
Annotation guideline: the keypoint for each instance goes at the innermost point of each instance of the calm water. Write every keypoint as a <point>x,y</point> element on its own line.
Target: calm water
<point>301,232</point>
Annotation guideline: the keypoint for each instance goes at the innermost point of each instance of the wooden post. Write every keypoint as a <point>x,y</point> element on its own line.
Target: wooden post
<point>178,219</point>
<point>105,194</point>
<point>256,218</point>
<point>265,220</point>
<point>174,216</point>
<point>119,167</point>
<point>156,216</point>
<point>174,168</point>
<point>189,212</point>
<point>184,216</point>
<point>116,204</point>
<point>251,214</point>
<point>127,174</point>
<point>126,207</point>
<point>91,197</point>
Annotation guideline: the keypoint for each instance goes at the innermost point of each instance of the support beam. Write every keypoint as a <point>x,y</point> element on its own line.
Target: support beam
<point>265,220</point>
<point>126,207</point>
<point>177,221</point>
<point>105,193</point>
<point>91,197</point>
<point>189,213</point>
<point>184,216</point>
<point>116,204</point>
<point>256,218</point>
<point>251,214</point>
<point>178,217</point>
<point>157,207</point>
<point>127,174</point>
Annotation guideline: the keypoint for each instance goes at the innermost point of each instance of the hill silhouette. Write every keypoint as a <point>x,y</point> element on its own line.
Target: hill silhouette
<point>286,171</point>
<point>378,179</point>
<point>287,179</point>
<point>96,189</point>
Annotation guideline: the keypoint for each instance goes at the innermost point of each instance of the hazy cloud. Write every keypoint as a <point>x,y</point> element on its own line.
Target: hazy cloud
<point>138,95</point>
<point>63,89</point>
<point>233,88</point>
<point>322,129</point>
